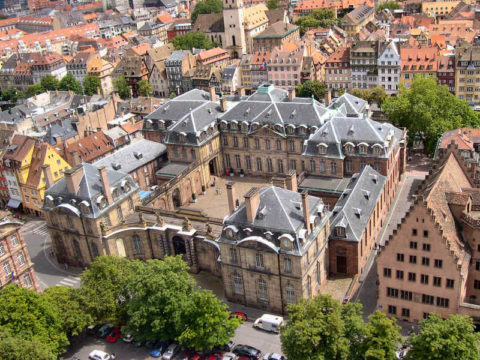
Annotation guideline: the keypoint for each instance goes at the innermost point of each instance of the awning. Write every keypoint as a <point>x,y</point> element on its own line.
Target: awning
<point>13,203</point>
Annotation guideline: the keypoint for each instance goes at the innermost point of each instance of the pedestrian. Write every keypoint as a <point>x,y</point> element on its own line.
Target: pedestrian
<point>112,356</point>
<point>66,266</point>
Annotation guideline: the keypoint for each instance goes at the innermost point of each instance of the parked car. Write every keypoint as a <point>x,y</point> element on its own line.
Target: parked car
<point>128,339</point>
<point>189,355</point>
<point>247,351</point>
<point>229,356</point>
<point>171,351</point>
<point>98,355</point>
<point>104,330</point>
<point>269,322</point>
<point>114,335</point>
<point>226,347</point>
<point>273,356</point>
<point>92,329</point>
<point>159,348</point>
<point>241,315</point>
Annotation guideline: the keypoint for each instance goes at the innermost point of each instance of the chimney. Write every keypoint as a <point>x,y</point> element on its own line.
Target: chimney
<point>232,196</point>
<point>223,104</point>
<point>75,158</point>
<point>47,173</point>
<point>252,201</point>
<point>102,171</point>
<point>278,182</point>
<point>328,97</point>
<point>73,177</point>
<point>58,139</point>
<point>291,93</point>
<point>291,181</point>
<point>306,210</point>
<point>213,95</point>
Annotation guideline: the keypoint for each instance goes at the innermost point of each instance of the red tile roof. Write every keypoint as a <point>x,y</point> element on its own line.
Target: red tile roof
<point>90,147</point>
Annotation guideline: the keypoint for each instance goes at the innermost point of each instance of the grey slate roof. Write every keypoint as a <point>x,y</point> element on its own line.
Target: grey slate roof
<point>90,190</point>
<point>115,133</point>
<point>176,55</point>
<point>280,213</point>
<point>229,72</point>
<point>356,204</point>
<point>354,106</point>
<point>128,157</point>
<point>15,115</point>
<point>66,131</point>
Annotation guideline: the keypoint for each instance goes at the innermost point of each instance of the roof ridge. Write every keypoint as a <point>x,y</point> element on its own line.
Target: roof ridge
<point>282,207</point>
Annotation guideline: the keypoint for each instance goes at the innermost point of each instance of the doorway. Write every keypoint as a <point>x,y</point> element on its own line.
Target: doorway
<point>176,198</point>
<point>341,264</point>
<point>179,246</point>
<point>212,165</point>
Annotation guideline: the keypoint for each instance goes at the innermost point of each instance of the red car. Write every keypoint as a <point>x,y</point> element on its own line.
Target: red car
<point>114,335</point>
<point>242,316</point>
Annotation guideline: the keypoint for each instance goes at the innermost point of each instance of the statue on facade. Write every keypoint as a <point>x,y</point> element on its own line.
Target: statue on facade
<point>103,227</point>
<point>187,225</point>
<point>160,221</point>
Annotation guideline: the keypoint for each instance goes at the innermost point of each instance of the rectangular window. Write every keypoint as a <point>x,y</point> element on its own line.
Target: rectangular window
<point>425,261</point>
<point>405,312</point>
<point>450,283</point>
<point>438,263</point>
<point>237,284</point>
<point>412,259</point>
<point>442,302</point>
<point>413,245</point>
<point>293,164</point>
<point>312,166</point>
<point>412,277</point>
<point>427,299</point>
<point>7,269</point>
<point>107,221</point>
<point>287,265</point>
<point>119,213</point>
<point>269,165</point>
<point>245,143</point>
<point>322,167</point>
<point>290,292</point>
<point>233,256</point>
<point>334,168</point>
<point>227,161</point>
<point>400,257</point>
<point>476,284</point>
<point>14,241</point>
<point>257,144</point>
<point>400,274</point>
<point>20,259</point>
<point>437,281</point>
<point>130,203</point>
<point>2,250</point>
<point>477,265</point>
<point>424,279</point>
<point>280,165</point>
<point>387,272</point>
<point>259,164</point>
<point>426,247</point>
<point>235,141</point>
<point>425,233</point>
<point>406,295</point>
<point>392,309</point>
<point>225,141</point>
<point>291,145</point>
<point>248,162</point>
<point>238,162</point>
<point>279,145</point>
<point>414,232</point>
<point>267,144</point>
<point>27,280</point>
<point>259,260</point>
<point>392,292</point>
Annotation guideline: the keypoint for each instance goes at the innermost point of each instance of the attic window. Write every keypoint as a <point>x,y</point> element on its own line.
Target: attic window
<point>366,194</point>
<point>357,212</point>
<point>374,178</point>
<point>340,231</point>
<point>261,214</point>
<point>322,149</point>
<point>138,155</point>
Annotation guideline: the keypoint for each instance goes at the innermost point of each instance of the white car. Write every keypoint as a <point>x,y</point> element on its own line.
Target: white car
<point>171,351</point>
<point>127,338</point>
<point>98,355</point>
<point>229,356</point>
<point>273,356</point>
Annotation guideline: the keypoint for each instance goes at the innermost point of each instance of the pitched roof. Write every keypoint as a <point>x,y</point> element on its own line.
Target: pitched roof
<point>209,23</point>
<point>89,148</point>
<point>279,29</point>
<point>357,15</point>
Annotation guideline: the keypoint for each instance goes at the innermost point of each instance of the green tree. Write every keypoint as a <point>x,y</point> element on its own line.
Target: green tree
<point>315,330</point>
<point>438,339</point>
<point>320,18</point>
<point>354,329</point>
<point>69,82</point>
<point>341,91</point>
<point>70,308</point>
<point>207,322</point>
<point>91,84</point>
<point>382,337</point>
<point>172,95</point>
<point>14,347</point>
<point>104,288</point>
<point>121,86</point>
<point>273,4</point>
<point>206,7</point>
<point>373,95</point>
<point>34,89</point>
<point>29,315</point>
<point>427,110</point>
<point>162,291</point>
<point>192,40</point>
<point>391,5</point>
<point>49,82</point>
<point>144,88</point>
<point>309,88</point>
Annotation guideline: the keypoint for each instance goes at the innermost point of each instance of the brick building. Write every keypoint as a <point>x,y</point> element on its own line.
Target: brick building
<point>276,35</point>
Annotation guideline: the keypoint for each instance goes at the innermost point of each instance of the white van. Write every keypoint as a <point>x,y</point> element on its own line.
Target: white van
<point>269,322</point>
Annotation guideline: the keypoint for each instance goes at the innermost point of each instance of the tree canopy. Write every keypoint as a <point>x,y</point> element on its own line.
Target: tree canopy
<point>206,7</point>
<point>29,315</point>
<point>373,95</point>
<point>144,88</point>
<point>438,339</point>
<point>382,337</point>
<point>68,82</point>
<point>320,18</point>
<point>50,83</point>
<point>192,40</point>
<point>15,347</point>
<point>309,88</point>
<point>91,84</point>
<point>121,86</point>
<point>391,5</point>
<point>273,4</point>
<point>34,89</point>
<point>427,110</point>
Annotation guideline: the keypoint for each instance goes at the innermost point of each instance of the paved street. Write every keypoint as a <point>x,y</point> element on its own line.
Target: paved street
<point>49,272</point>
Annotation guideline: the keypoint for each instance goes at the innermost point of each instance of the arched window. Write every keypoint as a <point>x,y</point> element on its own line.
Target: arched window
<point>76,250</point>
<point>262,290</point>
<point>234,43</point>
<point>237,284</point>
<point>94,248</point>
<point>362,148</point>
<point>59,246</point>
<point>137,245</point>
<point>308,286</point>
<point>290,294</point>
<point>317,273</point>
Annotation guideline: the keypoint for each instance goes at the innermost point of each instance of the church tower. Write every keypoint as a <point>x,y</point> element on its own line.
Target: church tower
<point>235,42</point>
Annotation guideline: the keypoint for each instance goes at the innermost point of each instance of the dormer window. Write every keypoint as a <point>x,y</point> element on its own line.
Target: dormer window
<point>234,125</point>
<point>322,149</point>
<point>279,128</point>
<point>340,231</point>
<point>85,207</point>
<point>148,123</point>
<point>223,125</point>
<point>291,129</point>
<point>182,137</point>
<point>161,124</point>
<point>286,241</point>
<point>377,149</point>
<point>244,126</point>
<point>362,148</point>
<point>349,148</point>
<point>268,235</point>
<point>302,129</point>
<point>231,232</point>
<point>255,126</point>
<point>115,193</point>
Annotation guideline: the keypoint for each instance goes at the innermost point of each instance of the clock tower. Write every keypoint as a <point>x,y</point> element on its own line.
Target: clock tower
<point>233,15</point>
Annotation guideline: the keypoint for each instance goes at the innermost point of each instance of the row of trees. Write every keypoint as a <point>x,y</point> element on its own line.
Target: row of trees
<point>319,18</point>
<point>310,88</point>
<point>197,40</point>
<point>124,90</point>
<point>323,329</point>
<point>91,84</point>
<point>156,299</point>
